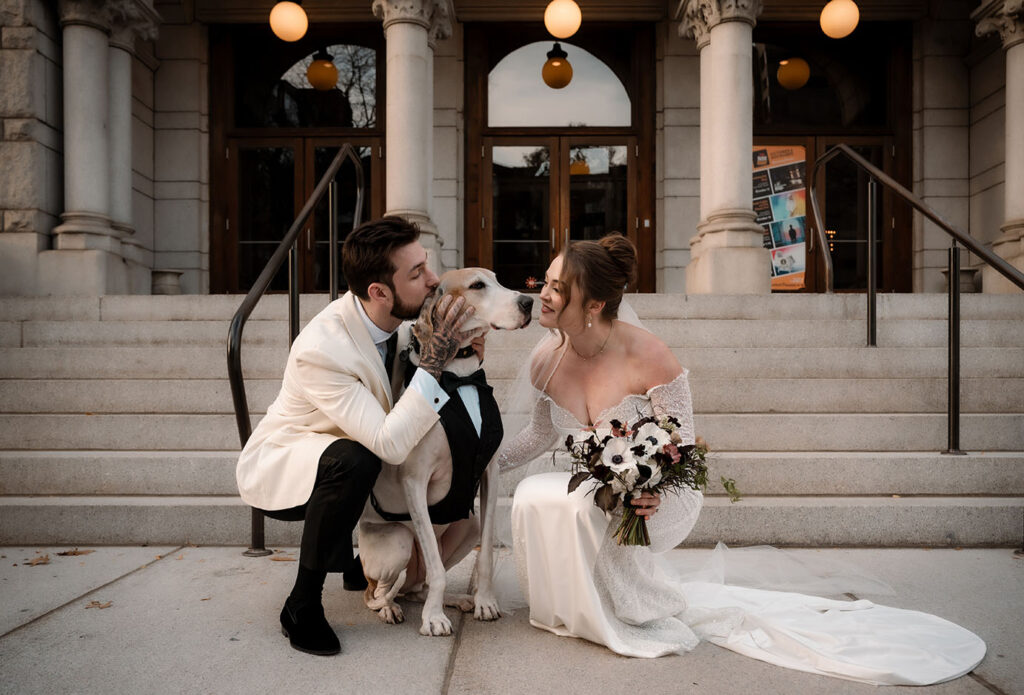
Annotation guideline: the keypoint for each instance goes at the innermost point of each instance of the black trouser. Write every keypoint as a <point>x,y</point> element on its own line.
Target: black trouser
<point>344,478</point>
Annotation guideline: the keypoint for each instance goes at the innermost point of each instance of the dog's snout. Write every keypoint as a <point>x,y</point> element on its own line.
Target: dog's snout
<point>525,303</point>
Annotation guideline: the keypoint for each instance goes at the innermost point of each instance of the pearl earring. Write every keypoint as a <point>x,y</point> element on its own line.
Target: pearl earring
<point>590,323</point>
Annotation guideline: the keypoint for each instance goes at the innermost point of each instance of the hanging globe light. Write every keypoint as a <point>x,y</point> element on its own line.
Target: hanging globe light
<point>322,73</point>
<point>557,72</point>
<point>288,21</point>
<point>562,18</point>
<point>793,73</point>
<point>839,18</point>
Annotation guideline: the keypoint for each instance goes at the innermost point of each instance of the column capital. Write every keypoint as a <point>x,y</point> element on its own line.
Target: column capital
<point>90,13</point>
<point>130,19</point>
<point>433,15</point>
<point>698,17</point>
<point>1003,16</point>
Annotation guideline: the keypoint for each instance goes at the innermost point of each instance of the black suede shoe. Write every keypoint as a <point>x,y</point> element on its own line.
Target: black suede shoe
<point>353,578</point>
<point>307,629</point>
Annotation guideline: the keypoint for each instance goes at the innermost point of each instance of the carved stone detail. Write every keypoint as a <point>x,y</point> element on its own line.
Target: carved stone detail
<point>441,22</point>
<point>87,12</point>
<point>413,11</point>
<point>130,18</point>
<point>1007,20</point>
<point>698,17</point>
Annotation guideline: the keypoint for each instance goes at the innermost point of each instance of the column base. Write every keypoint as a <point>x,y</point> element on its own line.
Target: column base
<point>728,256</point>
<point>1009,247</point>
<point>82,272</point>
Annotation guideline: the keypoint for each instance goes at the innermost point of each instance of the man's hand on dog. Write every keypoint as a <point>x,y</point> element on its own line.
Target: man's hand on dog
<point>447,336</point>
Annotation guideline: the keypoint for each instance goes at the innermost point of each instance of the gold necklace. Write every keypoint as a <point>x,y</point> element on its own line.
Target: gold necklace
<point>603,346</point>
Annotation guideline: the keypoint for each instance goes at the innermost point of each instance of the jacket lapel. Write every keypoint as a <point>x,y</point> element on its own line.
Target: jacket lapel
<point>371,363</point>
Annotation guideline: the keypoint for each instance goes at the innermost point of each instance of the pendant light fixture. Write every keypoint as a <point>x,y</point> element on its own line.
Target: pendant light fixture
<point>322,72</point>
<point>288,20</point>
<point>839,18</point>
<point>557,72</point>
<point>793,73</point>
<point>562,18</point>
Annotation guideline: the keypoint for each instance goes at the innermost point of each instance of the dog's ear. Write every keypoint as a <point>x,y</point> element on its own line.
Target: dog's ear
<point>424,325</point>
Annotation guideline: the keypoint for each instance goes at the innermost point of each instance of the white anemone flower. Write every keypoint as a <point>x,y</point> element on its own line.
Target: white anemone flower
<point>652,437</point>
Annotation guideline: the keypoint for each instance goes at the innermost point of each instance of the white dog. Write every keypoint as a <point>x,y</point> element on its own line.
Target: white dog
<point>418,521</point>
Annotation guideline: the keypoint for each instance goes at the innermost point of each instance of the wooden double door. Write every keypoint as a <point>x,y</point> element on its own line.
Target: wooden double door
<point>268,180</point>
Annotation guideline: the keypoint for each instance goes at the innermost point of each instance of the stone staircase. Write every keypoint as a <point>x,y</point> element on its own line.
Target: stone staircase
<point>116,422</point>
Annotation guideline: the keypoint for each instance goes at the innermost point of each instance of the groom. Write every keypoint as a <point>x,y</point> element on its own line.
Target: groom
<point>317,452</point>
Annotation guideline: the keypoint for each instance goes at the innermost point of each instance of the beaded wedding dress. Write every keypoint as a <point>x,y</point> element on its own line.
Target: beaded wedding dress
<point>580,583</point>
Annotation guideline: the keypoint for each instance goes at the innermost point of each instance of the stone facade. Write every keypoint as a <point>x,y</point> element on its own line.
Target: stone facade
<point>159,219</point>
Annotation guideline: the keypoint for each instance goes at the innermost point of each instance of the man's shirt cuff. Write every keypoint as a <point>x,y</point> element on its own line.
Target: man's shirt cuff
<point>428,387</point>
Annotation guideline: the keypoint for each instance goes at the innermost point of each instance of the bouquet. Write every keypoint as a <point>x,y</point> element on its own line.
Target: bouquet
<point>629,459</point>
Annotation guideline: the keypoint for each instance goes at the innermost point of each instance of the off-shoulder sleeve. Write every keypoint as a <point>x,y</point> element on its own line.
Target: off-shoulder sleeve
<point>674,399</point>
<point>679,510</point>
<point>532,441</point>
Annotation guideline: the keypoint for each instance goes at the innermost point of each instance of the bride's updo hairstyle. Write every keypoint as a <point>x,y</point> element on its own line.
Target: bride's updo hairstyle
<point>602,270</point>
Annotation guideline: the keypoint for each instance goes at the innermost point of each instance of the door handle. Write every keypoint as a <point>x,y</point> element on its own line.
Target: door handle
<point>309,231</point>
<point>552,239</point>
<point>566,245</point>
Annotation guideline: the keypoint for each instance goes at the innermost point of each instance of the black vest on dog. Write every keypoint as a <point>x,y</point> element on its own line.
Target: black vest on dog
<point>470,454</point>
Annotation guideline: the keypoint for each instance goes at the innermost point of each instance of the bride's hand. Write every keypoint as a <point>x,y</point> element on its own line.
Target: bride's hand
<point>646,505</point>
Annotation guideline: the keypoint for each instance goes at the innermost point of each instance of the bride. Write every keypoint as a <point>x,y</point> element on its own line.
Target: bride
<point>595,366</point>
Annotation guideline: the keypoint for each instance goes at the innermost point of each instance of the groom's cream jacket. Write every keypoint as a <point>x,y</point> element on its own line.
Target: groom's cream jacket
<point>334,387</point>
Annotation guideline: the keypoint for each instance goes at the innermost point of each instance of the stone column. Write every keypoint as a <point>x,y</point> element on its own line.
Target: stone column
<point>409,27</point>
<point>86,217</point>
<point>1007,18</point>
<point>727,255</point>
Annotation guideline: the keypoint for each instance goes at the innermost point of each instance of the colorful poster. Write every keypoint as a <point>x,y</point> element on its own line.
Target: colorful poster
<point>780,203</point>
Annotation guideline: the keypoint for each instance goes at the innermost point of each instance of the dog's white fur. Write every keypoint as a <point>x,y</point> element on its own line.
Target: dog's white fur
<point>388,549</point>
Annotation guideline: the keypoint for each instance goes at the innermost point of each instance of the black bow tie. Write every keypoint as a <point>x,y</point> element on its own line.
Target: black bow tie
<point>451,382</point>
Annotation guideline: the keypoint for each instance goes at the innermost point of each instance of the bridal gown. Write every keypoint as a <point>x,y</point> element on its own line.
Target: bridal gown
<point>580,583</point>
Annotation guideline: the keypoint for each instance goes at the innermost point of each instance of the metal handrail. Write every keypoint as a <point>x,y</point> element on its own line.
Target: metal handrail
<point>1005,269</point>
<point>259,288</point>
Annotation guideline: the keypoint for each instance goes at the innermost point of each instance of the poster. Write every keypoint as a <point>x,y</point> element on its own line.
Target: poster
<point>780,203</point>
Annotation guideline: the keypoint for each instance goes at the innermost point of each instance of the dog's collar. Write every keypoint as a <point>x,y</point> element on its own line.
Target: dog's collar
<point>462,353</point>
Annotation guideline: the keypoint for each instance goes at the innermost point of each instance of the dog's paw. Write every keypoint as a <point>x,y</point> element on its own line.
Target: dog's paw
<point>436,625</point>
<point>391,614</point>
<point>486,607</point>
<point>463,602</point>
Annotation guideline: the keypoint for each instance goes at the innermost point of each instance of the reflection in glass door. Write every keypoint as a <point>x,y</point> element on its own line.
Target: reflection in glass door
<point>548,191</point>
<point>522,229</point>
<point>846,220</point>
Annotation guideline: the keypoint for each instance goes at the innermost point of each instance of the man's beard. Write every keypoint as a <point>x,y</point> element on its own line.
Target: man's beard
<point>402,311</point>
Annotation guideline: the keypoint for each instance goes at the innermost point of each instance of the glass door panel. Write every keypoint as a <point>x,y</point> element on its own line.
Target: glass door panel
<point>265,208</point>
<point>318,259</point>
<point>522,228</point>
<point>598,190</point>
<point>846,219</point>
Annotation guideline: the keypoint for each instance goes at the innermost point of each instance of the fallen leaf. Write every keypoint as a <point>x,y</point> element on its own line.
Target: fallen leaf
<point>180,557</point>
<point>282,558</point>
<point>39,560</point>
<point>897,496</point>
<point>75,552</point>
<point>205,599</point>
<point>158,557</point>
<point>97,604</point>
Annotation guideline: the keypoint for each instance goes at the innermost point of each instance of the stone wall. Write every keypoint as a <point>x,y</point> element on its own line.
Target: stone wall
<point>181,174</point>
<point>988,146</point>
<point>448,188</point>
<point>941,137</point>
<point>677,155</point>
<point>31,160</point>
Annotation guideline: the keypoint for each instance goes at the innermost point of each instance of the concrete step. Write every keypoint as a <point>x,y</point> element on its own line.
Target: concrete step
<point>766,363</point>
<point>728,395</point>
<point>675,333</point>
<point>780,521</point>
<point>730,432</point>
<point>647,306</point>
<point>757,473</point>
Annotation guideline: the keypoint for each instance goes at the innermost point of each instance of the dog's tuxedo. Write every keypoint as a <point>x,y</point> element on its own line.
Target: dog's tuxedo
<point>471,450</point>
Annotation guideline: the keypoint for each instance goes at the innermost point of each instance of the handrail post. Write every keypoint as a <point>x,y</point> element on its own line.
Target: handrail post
<point>293,293</point>
<point>332,236</point>
<point>953,409</point>
<point>872,262</point>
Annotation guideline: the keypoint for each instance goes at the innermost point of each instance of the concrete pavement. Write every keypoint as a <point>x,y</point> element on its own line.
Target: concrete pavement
<point>204,620</point>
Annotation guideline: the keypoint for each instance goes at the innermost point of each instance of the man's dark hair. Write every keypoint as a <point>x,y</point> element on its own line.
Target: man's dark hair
<point>366,254</point>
